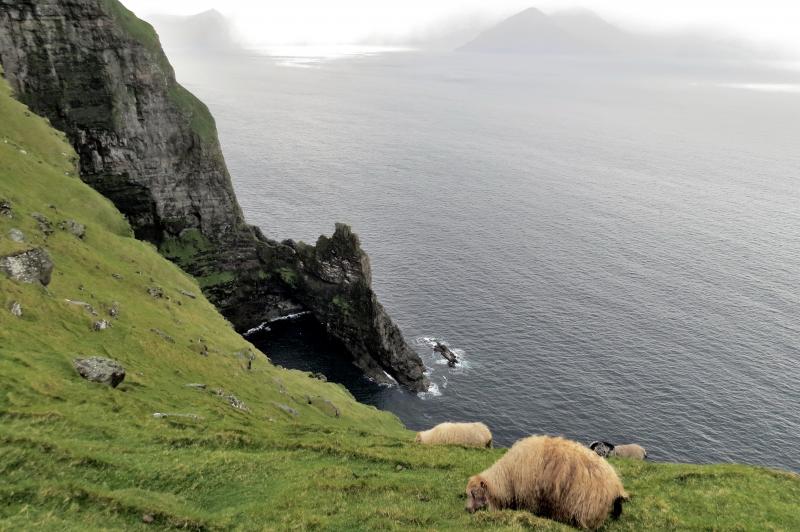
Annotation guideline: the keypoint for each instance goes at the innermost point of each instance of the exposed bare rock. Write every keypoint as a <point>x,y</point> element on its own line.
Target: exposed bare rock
<point>101,370</point>
<point>16,235</point>
<point>6,209</point>
<point>32,266</point>
<point>16,309</point>
<point>163,335</point>
<point>155,292</point>
<point>232,400</point>
<point>45,225</point>
<point>76,229</point>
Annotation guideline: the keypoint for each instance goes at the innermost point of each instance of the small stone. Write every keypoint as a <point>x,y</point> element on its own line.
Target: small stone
<point>188,294</point>
<point>117,276</point>
<point>6,209</point>
<point>101,325</point>
<point>234,401</point>
<point>155,292</point>
<point>16,235</point>
<point>288,409</point>
<point>148,519</point>
<point>196,386</point>
<point>163,335</point>
<point>29,266</point>
<point>319,376</point>
<point>101,370</point>
<point>113,310</point>
<point>399,467</point>
<point>16,309</point>
<point>74,228</point>
<point>45,225</point>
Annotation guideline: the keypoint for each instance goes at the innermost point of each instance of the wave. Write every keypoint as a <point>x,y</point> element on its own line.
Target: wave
<point>265,326</point>
<point>433,391</point>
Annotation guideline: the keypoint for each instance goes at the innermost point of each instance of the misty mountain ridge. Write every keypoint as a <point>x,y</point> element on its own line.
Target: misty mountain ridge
<point>584,33</point>
<point>209,31</point>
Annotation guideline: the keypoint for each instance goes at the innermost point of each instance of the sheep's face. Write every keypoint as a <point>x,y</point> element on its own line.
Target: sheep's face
<point>477,494</point>
<point>418,438</point>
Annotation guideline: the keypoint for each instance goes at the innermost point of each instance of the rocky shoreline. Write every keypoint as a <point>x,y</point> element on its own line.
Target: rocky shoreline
<point>99,74</point>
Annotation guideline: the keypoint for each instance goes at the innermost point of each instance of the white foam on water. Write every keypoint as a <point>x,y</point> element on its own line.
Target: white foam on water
<point>433,391</point>
<point>263,327</point>
<point>290,316</point>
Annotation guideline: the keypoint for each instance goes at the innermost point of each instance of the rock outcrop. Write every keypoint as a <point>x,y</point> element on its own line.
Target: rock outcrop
<point>101,370</point>
<point>32,266</point>
<point>99,74</point>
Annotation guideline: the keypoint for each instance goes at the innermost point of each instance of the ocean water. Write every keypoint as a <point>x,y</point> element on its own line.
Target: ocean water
<point>613,248</point>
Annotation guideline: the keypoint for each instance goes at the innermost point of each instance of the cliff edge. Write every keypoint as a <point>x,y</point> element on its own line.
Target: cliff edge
<point>99,74</point>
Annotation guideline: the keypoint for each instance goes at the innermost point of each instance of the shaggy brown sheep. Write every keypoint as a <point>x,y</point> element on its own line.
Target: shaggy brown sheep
<point>468,434</point>
<point>551,477</point>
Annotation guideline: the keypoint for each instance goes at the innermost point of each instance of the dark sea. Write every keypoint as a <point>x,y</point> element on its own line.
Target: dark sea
<point>612,247</point>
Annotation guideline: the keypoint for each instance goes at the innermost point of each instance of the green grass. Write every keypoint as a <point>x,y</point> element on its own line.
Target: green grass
<point>185,248</point>
<point>138,29</point>
<point>288,276</point>
<point>200,118</point>
<point>81,456</point>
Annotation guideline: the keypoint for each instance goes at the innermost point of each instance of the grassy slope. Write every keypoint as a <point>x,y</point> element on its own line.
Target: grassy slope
<point>80,456</point>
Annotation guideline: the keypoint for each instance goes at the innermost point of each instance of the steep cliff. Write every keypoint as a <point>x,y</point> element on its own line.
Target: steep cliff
<point>99,74</point>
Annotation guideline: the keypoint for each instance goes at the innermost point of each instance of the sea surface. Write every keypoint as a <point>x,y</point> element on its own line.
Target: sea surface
<point>613,248</point>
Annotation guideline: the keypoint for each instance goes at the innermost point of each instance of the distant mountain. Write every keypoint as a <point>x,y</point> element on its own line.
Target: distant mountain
<point>206,31</point>
<point>582,32</point>
<point>530,31</point>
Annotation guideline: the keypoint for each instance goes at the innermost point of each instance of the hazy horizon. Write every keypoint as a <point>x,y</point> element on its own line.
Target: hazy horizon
<point>768,24</point>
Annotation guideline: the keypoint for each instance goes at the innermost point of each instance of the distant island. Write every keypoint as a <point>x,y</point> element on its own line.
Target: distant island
<point>584,33</point>
<point>209,31</point>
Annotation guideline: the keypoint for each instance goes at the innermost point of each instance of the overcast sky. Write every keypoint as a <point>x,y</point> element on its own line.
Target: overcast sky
<point>347,21</point>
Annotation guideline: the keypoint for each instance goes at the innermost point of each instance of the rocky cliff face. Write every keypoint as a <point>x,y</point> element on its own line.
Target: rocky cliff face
<point>99,74</point>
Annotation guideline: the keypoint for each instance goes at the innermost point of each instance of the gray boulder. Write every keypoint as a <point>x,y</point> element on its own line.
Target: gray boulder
<point>74,228</point>
<point>30,266</point>
<point>6,209</point>
<point>16,309</point>
<point>102,370</point>
<point>45,225</point>
<point>16,235</point>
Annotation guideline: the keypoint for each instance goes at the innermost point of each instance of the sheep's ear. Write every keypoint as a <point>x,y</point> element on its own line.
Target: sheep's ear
<point>483,484</point>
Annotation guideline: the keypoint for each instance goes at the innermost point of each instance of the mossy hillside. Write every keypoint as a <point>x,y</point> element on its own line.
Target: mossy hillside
<point>81,456</point>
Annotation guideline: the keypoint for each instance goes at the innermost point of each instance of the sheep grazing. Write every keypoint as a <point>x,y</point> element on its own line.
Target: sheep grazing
<point>552,477</point>
<point>630,450</point>
<point>467,434</point>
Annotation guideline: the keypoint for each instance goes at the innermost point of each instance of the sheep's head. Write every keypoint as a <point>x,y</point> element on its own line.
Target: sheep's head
<point>477,494</point>
<point>418,438</point>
